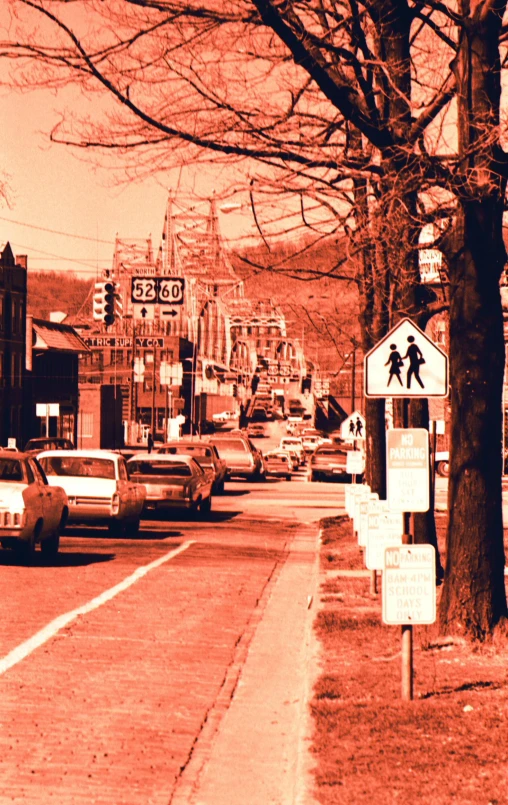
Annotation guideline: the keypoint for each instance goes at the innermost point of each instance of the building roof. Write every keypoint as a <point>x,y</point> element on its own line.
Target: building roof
<point>60,337</point>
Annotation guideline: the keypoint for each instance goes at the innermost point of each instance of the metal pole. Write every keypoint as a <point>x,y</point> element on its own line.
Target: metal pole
<point>353,380</point>
<point>407,663</point>
<point>407,629</point>
<point>132,409</point>
<point>166,414</point>
<point>154,380</point>
<point>193,388</point>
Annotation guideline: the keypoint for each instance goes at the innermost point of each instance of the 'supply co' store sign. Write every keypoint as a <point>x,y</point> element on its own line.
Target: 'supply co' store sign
<point>407,465</point>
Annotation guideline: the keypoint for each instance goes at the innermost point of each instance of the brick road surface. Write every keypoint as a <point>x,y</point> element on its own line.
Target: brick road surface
<point>109,709</point>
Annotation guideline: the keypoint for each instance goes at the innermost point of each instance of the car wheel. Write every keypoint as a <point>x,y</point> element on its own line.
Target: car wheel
<point>206,505</point>
<point>443,469</point>
<point>288,477</point>
<point>26,549</point>
<point>219,489</point>
<point>50,546</point>
<point>132,528</point>
<point>116,528</point>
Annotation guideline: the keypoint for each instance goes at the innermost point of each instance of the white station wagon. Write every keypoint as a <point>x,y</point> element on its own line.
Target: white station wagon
<point>98,488</point>
<point>31,511</point>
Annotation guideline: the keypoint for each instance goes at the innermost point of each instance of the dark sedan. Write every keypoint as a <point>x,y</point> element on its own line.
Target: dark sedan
<point>204,453</point>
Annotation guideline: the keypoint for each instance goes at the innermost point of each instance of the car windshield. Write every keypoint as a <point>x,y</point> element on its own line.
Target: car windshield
<point>173,469</point>
<point>231,444</point>
<point>197,451</point>
<point>81,467</point>
<point>10,470</point>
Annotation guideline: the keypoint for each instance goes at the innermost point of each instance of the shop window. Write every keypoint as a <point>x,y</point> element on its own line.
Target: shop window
<point>86,423</point>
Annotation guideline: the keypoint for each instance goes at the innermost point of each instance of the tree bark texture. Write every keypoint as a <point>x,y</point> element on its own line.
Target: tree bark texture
<point>475,552</point>
<point>473,599</point>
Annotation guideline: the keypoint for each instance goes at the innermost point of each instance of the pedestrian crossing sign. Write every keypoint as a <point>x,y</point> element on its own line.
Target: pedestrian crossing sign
<point>406,363</point>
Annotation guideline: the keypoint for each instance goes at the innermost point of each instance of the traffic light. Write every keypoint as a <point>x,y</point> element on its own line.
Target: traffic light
<point>109,303</point>
<point>104,302</point>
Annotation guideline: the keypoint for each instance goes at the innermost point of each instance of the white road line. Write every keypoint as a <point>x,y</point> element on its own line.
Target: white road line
<point>50,630</point>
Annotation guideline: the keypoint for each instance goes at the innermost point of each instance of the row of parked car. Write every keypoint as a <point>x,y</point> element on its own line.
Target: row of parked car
<point>50,485</point>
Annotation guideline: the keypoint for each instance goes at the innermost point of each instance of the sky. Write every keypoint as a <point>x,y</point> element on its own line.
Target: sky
<point>65,213</point>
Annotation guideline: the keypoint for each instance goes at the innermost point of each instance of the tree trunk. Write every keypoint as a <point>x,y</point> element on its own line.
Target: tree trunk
<point>474,599</point>
<point>375,444</point>
<point>475,552</point>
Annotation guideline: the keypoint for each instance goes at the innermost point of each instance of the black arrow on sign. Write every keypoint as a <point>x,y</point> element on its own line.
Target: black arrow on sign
<point>169,313</point>
<point>144,311</point>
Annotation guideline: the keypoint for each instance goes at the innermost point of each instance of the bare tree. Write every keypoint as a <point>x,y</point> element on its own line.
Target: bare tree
<point>384,116</point>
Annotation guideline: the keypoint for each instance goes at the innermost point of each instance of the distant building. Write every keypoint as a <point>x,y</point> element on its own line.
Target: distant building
<point>51,380</point>
<point>13,289</point>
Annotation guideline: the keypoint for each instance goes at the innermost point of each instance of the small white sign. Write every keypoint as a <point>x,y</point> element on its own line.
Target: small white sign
<point>355,462</point>
<point>385,530</point>
<point>406,363</point>
<point>11,442</point>
<point>409,585</point>
<point>407,469</point>
<point>367,505</point>
<point>143,312</point>
<point>360,493</point>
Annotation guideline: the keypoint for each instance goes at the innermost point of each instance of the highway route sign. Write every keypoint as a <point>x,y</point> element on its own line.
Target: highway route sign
<point>409,585</point>
<point>171,290</point>
<point>406,363</point>
<point>157,290</point>
<point>407,469</point>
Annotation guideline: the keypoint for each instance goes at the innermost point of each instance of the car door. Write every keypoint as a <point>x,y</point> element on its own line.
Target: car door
<point>126,490</point>
<point>201,480</point>
<point>47,495</point>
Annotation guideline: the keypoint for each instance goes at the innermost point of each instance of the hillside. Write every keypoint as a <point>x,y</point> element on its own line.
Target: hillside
<point>314,285</point>
<point>49,291</point>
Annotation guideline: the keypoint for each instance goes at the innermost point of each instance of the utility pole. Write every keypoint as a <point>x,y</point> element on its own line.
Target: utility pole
<point>154,423</point>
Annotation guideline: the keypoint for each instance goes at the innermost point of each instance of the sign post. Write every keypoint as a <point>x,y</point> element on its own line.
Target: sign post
<point>407,364</point>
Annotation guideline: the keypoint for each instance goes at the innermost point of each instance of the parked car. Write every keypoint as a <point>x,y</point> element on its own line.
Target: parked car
<point>48,443</point>
<point>98,488</point>
<point>242,458</point>
<point>255,430</point>
<point>31,511</point>
<point>260,414</point>
<point>329,462</point>
<point>442,463</point>
<point>172,482</point>
<point>278,464</point>
<point>310,442</point>
<point>205,454</point>
<point>294,443</point>
<point>294,457</point>
<point>224,416</point>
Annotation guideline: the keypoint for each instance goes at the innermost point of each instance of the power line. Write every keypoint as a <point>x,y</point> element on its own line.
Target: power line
<point>57,232</point>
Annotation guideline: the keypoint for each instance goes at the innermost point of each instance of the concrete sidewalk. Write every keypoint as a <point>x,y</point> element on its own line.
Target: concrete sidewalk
<point>254,747</point>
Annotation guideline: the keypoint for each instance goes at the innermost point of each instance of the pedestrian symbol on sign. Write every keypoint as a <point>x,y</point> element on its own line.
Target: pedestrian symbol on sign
<point>396,361</point>
<point>416,358</point>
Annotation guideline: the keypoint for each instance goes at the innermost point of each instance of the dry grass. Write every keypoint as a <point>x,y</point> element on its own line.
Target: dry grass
<point>448,745</point>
